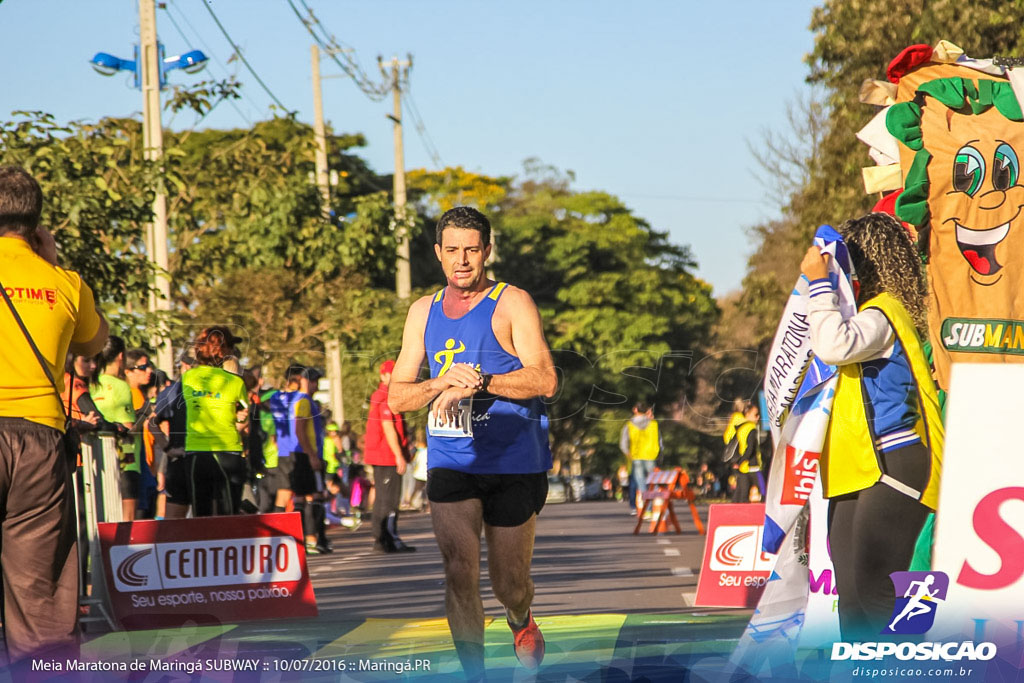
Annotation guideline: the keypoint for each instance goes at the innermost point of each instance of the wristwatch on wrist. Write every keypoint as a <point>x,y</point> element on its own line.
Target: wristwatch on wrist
<point>486,380</point>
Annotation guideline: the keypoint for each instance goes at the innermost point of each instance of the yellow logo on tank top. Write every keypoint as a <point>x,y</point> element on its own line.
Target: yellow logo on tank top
<point>446,358</point>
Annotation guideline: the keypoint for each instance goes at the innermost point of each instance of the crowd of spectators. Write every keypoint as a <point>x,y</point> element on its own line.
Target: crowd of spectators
<point>207,437</point>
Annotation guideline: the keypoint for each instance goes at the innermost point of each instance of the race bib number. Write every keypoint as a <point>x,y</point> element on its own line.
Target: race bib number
<point>462,428</point>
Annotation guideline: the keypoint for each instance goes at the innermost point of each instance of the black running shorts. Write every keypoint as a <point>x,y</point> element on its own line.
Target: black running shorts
<point>298,472</point>
<point>128,483</point>
<point>508,499</point>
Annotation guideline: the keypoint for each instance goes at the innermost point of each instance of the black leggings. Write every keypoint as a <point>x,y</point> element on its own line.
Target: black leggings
<point>872,533</point>
<point>215,482</point>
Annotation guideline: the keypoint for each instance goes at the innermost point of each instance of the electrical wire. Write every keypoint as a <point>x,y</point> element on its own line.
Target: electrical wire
<point>421,129</point>
<point>231,101</point>
<point>376,92</point>
<point>238,51</point>
<point>202,41</point>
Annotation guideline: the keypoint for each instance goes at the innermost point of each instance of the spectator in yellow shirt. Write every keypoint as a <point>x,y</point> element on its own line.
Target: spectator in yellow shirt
<point>51,309</point>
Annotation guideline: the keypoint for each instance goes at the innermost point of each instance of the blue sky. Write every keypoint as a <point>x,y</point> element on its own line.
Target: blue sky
<point>651,100</point>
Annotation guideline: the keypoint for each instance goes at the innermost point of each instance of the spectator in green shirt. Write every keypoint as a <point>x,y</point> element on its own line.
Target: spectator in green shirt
<point>113,398</point>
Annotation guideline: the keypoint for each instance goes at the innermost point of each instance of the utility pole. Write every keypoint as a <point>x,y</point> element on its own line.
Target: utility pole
<point>320,135</point>
<point>332,347</point>
<point>399,74</point>
<point>153,150</point>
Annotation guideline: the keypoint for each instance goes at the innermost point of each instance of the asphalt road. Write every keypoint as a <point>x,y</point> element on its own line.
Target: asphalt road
<point>586,560</point>
<point>613,606</point>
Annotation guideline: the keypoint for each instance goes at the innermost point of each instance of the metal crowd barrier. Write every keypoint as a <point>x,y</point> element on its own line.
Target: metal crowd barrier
<point>98,495</point>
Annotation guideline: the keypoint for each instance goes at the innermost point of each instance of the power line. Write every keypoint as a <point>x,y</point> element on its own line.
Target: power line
<point>231,101</point>
<point>202,41</point>
<point>421,129</point>
<point>238,51</point>
<point>376,92</point>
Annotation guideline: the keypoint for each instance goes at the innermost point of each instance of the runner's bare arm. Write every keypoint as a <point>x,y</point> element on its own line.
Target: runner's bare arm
<point>406,392</point>
<point>537,376</point>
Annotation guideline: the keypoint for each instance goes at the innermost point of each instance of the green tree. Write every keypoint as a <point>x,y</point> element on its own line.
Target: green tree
<point>624,314</point>
<point>96,195</point>
<point>854,42</point>
<point>245,198</point>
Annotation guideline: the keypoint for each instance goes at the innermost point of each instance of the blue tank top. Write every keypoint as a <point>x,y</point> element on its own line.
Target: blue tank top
<point>282,408</point>
<point>509,436</point>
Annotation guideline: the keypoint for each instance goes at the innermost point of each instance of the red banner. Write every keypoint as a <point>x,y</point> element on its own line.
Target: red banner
<point>209,570</point>
<point>800,473</point>
<point>735,570</point>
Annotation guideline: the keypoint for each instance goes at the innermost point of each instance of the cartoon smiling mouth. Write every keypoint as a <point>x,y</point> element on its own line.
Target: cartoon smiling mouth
<point>979,247</point>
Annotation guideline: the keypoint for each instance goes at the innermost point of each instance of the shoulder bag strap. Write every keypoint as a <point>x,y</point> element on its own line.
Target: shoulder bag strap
<point>39,356</point>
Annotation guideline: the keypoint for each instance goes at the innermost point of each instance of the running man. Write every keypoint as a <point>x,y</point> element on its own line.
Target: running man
<point>487,438</point>
<point>915,606</point>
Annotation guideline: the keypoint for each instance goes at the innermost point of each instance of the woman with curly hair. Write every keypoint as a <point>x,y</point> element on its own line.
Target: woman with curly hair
<point>883,451</point>
<point>216,405</point>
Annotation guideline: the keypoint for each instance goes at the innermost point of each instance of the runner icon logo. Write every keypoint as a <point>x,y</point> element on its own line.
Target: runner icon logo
<point>918,595</point>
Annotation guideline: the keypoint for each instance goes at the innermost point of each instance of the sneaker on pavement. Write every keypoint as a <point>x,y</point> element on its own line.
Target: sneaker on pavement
<point>529,642</point>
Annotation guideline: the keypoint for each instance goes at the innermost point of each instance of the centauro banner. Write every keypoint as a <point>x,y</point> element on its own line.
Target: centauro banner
<point>177,570</point>
<point>950,143</point>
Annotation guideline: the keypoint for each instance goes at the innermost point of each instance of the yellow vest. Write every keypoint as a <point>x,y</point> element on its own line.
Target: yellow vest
<point>735,420</point>
<point>850,459</point>
<point>742,433</point>
<point>643,443</point>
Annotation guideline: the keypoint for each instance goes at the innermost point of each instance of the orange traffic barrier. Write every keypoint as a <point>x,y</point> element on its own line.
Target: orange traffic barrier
<point>664,486</point>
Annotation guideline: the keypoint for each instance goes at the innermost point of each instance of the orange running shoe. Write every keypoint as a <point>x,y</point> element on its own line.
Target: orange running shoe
<point>529,642</point>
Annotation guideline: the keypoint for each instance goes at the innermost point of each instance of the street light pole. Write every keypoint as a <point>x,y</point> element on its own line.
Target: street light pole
<point>150,67</point>
<point>153,149</point>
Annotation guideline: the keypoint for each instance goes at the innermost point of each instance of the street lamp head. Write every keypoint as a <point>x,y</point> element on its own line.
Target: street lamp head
<point>105,64</point>
<point>191,62</point>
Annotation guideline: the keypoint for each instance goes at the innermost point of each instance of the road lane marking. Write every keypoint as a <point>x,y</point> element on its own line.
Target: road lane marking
<point>671,552</point>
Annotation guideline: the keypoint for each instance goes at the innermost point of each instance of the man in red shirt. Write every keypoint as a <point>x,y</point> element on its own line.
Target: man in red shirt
<point>385,449</point>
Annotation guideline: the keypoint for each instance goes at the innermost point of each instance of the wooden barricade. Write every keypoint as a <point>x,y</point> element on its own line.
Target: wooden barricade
<point>664,486</point>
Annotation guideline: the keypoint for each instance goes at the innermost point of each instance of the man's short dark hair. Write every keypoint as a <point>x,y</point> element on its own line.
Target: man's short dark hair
<point>466,218</point>
<point>133,356</point>
<point>21,201</point>
<point>295,372</point>
<point>642,407</point>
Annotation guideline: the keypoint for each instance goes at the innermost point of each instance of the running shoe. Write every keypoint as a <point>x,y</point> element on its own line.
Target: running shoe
<point>529,642</point>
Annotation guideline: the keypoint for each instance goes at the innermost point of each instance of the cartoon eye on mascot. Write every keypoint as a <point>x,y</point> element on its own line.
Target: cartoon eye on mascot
<point>949,145</point>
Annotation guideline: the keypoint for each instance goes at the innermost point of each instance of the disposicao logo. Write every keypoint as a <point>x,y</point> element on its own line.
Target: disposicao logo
<point>918,595</point>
